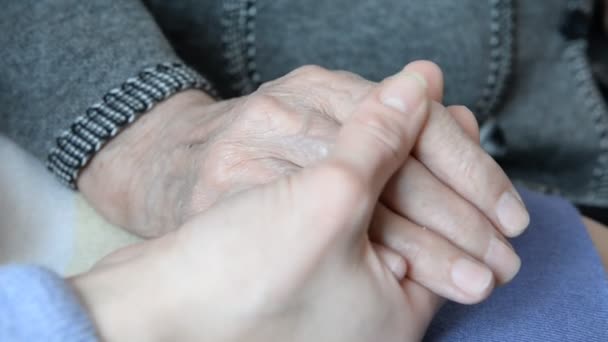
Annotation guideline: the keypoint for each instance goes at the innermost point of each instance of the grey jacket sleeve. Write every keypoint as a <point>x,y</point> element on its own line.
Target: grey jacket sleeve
<point>74,73</point>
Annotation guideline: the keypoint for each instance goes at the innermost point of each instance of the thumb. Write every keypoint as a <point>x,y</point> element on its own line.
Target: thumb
<point>372,144</point>
<point>378,137</point>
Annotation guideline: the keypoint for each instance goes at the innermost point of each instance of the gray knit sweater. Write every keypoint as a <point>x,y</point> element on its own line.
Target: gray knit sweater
<point>74,73</point>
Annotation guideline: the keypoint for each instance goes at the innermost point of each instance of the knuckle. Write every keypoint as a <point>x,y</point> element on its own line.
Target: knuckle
<point>469,165</point>
<point>265,113</point>
<point>483,176</point>
<point>348,87</point>
<point>311,70</point>
<point>470,231</point>
<point>268,85</point>
<point>470,116</point>
<point>347,75</point>
<point>350,77</point>
<point>261,103</point>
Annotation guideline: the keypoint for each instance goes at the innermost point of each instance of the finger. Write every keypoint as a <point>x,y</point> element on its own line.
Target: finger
<point>431,260</point>
<point>393,261</point>
<point>460,163</point>
<point>370,147</point>
<point>415,193</point>
<point>320,134</point>
<point>467,121</point>
<point>378,137</point>
<point>432,74</point>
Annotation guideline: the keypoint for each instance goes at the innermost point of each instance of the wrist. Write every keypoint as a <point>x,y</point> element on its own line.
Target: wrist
<point>110,313</point>
<point>147,292</point>
<point>125,299</point>
<point>112,180</point>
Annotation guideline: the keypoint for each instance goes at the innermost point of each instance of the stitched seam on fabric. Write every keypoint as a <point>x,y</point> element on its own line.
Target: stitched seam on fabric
<point>575,55</point>
<point>238,41</point>
<point>576,58</point>
<point>598,107</point>
<point>120,106</point>
<point>501,57</point>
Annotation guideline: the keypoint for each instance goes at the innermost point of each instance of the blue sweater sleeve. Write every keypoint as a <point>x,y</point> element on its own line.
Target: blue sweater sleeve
<point>38,305</point>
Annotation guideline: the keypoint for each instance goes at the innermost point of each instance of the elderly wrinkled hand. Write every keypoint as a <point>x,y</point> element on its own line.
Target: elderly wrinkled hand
<point>446,211</point>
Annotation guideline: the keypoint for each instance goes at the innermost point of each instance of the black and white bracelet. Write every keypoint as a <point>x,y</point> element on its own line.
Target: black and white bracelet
<point>119,107</point>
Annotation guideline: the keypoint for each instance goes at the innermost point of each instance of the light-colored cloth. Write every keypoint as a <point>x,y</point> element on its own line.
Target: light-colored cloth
<point>44,223</point>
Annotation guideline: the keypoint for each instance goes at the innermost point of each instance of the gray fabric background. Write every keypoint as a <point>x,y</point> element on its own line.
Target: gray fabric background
<point>61,56</point>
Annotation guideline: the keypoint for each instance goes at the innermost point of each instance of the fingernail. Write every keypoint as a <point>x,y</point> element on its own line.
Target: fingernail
<point>512,214</point>
<point>470,277</point>
<point>404,92</point>
<point>502,259</point>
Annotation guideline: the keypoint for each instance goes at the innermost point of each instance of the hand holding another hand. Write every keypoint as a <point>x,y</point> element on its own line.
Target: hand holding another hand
<point>445,211</point>
<point>276,262</point>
